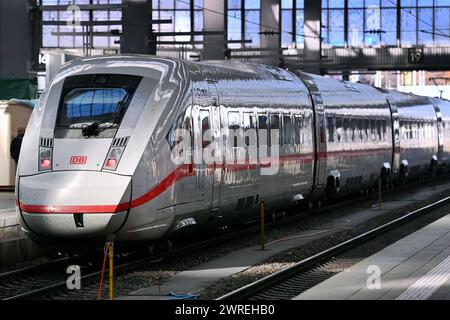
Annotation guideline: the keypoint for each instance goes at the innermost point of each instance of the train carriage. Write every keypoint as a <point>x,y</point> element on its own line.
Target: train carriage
<point>357,146</point>
<point>443,116</point>
<point>417,141</point>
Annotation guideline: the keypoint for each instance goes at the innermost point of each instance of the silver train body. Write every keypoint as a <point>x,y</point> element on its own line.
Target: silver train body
<point>336,138</point>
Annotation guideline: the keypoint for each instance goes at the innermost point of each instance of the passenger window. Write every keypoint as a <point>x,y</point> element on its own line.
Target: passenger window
<point>339,129</point>
<point>379,130</point>
<point>330,127</point>
<point>384,129</point>
<point>346,131</point>
<point>361,129</point>
<point>416,130</point>
<point>366,130</point>
<point>422,130</point>
<point>287,130</point>
<point>183,122</point>
<point>298,130</point>
<point>353,129</point>
<point>263,125</point>
<point>249,124</point>
<point>234,125</point>
<point>372,129</point>
<point>171,138</point>
<point>402,130</point>
<point>206,128</point>
<point>274,125</point>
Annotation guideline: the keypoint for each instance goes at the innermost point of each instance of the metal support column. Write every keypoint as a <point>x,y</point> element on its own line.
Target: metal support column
<point>312,31</point>
<point>214,13</point>
<point>136,27</point>
<point>270,21</point>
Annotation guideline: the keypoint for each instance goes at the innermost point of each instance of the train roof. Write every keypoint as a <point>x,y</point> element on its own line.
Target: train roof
<point>209,69</point>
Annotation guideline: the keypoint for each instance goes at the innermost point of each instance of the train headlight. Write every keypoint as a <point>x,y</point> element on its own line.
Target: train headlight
<point>113,158</point>
<point>45,158</point>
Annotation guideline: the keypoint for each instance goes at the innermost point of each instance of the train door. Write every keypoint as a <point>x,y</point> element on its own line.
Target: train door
<point>216,167</point>
<point>395,138</point>
<point>320,142</point>
<point>207,144</point>
<point>440,134</point>
<point>320,176</point>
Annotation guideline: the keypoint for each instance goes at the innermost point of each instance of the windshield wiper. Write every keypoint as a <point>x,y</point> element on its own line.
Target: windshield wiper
<point>94,129</point>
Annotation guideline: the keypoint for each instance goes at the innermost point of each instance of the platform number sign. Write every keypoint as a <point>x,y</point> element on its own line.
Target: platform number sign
<point>415,55</point>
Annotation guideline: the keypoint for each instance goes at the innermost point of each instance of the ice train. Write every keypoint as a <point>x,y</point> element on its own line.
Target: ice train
<point>97,158</point>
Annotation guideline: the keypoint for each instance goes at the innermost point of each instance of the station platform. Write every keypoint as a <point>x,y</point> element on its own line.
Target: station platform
<point>15,247</point>
<point>191,282</point>
<point>8,215</point>
<point>414,268</point>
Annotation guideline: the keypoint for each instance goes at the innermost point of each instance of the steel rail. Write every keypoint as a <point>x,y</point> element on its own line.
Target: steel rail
<point>308,263</point>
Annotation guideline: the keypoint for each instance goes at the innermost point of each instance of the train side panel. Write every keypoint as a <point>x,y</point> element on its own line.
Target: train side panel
<point>443,114</point>
<point>358,135</point>
<point>418,134</point>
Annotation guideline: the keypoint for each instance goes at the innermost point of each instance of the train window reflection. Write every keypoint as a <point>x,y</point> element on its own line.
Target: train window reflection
<point>353,122</point>
<point>171,137</point>
<point>234,123</point>
<point>99,98</point>
<point>360,129</point>
<point>346,129</point>
<point>366,130</point>
<point>249,124</point>
<point>330,127</point>
<point>372,129</point>
<point>298,131</point>
<point>87,104</point>
<point>379,130</point>
<point>274,125</point>
<point>205,128</point>
<point>175,135</point>
<point>263,126</point>
<point>249,121</point>
<point>422,131</point>
<point>339,131</point>
<point>287,130</point>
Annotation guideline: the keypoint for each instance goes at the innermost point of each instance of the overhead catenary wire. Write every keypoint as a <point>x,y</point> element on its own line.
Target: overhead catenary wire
<point>434,33</point>
<point>440,33</point>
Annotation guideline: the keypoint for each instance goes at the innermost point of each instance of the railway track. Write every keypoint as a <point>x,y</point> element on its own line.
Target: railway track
<point>35,281</point>
<point>294,280</point>
<point>43,279</point>
<point>50,278</point>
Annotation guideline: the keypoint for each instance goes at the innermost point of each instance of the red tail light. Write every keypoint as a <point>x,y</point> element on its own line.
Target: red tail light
<point>111,163</point>
<point>114,155</point>
<point>46,164</point>
<point>45,158</point>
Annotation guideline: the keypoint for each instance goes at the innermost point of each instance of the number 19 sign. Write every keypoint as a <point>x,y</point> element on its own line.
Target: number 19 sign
<point>415,55</point>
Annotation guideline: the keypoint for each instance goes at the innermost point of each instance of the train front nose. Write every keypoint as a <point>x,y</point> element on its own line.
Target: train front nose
<point>74,205</point>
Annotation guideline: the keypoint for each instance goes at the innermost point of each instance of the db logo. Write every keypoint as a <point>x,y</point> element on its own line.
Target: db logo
<point>78,160</point>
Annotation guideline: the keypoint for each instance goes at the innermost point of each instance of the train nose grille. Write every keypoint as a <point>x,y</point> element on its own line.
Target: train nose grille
<point>46,142</point>
<point>120,142</point>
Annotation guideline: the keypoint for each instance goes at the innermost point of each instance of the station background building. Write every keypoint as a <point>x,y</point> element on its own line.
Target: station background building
<point>397,44</point>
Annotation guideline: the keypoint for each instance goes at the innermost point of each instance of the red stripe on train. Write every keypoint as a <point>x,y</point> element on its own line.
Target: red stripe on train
<point>181,172</point>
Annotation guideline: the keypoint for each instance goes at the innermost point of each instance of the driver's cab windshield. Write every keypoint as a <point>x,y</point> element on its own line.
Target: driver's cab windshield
<point>94,105</point>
